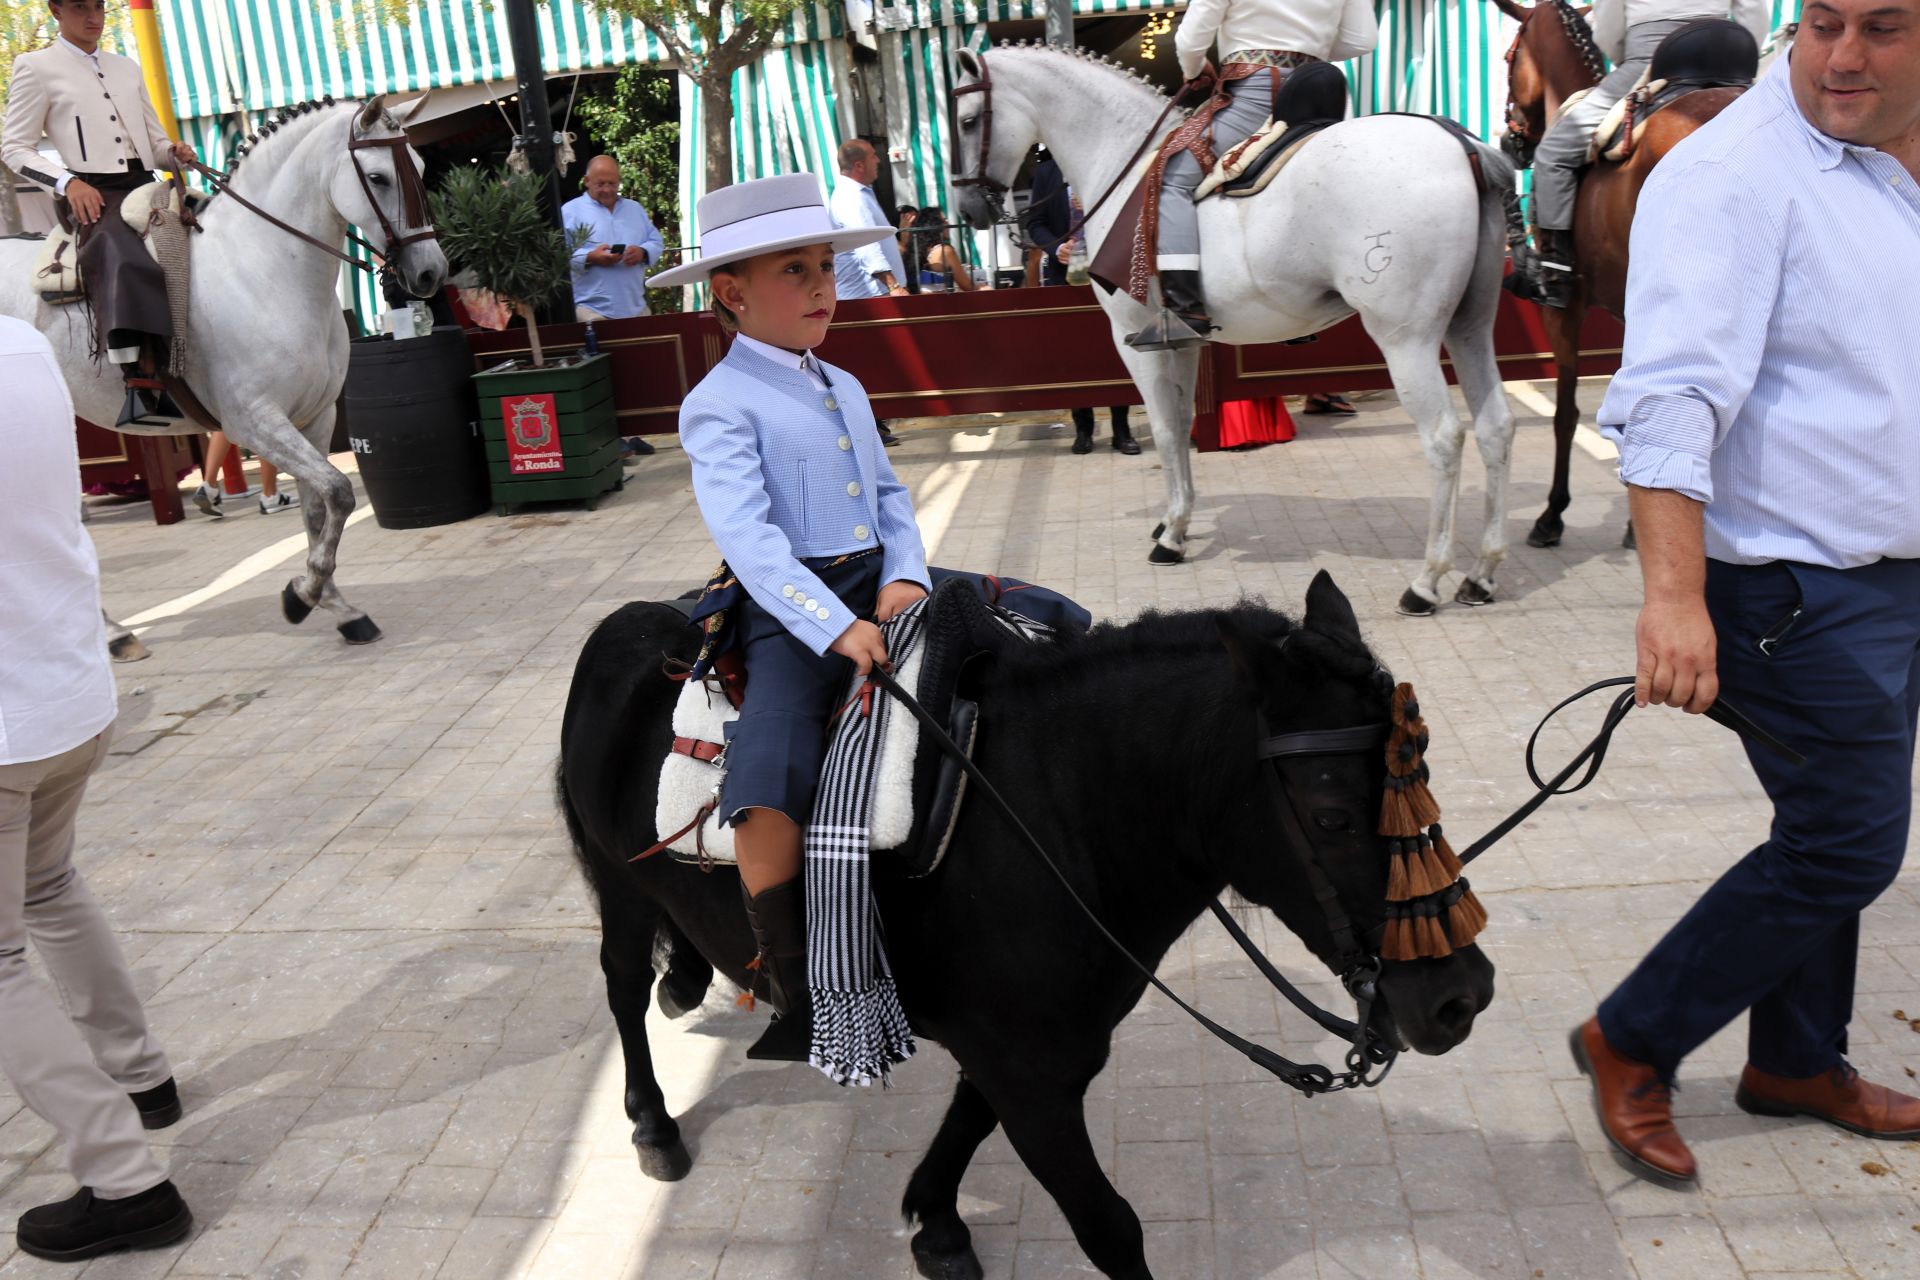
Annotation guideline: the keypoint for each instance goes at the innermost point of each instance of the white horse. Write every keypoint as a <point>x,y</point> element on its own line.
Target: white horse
<point>267,353</point>
<point>1378,215</point>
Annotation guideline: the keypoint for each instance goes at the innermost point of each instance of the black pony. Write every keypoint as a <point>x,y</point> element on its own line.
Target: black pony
<point>992,960</point>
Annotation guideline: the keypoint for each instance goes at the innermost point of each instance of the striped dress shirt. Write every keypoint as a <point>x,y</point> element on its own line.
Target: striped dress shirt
<point>1770,368</point>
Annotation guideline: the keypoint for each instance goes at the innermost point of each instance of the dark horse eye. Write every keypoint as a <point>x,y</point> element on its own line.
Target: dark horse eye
<point>1332,820</point>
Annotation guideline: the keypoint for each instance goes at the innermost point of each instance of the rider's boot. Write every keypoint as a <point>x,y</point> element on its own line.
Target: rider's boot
<point>778,917</point>
<point>1546,274</point>
<point>1183,319</point>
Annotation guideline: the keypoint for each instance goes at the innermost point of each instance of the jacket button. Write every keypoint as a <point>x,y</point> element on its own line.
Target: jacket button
<point>831,403</point>
<point>860,531</point>
<point>787,591</point>
<point>821,613</point>
<point>853,488</point>
<point>116,139</point>
<point>845,442</point>
<point>115,119</point>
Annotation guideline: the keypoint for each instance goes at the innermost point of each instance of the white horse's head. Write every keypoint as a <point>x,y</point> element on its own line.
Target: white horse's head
<point>377,185</point>
<point>993,129</point>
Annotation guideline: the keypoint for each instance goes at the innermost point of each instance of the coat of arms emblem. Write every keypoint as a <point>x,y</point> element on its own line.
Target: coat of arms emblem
<point>531,426</point>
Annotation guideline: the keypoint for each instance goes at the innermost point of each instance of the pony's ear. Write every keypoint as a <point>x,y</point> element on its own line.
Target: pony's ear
<point>412,109</point>
<point>370,114</point>
<point>1251,656</point>
<point>968,64</point>
<point>1329,612</point>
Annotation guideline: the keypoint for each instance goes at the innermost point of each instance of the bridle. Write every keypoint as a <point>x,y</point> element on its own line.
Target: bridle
<point>1370,1055</point>
<point>413,201</point>
<point>1524,135</point>
<point>959,178</point>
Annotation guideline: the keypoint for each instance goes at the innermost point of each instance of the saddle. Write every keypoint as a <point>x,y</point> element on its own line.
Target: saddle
<point>1313,98</point>
<point>56,273</point>
<point>920,788</point>
<point>1708,53</point>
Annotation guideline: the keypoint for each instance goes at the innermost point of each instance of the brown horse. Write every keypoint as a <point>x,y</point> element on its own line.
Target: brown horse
<point>1552,58</point>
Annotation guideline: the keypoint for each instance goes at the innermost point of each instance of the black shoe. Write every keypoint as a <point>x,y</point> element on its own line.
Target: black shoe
<point>1083,441</point>
<point>1127,445</point>
<point>158,1106</point>
<point>85,1226</point>
<point>887,438</point>
<point>1183,319</point>
<point>637,446</point>
<point>778,917</point>
<point>1545,276</point>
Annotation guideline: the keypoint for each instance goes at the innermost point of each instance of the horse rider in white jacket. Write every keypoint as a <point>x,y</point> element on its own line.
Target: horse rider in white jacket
<point>93,106</point>
<point>1254,36</point>
<point>1627,31</point>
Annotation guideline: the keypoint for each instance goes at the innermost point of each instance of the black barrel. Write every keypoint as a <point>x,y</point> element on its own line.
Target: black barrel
<point>414,429</point>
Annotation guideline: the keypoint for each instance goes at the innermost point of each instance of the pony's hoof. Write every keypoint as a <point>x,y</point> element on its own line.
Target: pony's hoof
<point>1546,532</point>
<point>1472,593</point>
<point>360,630</point>
<point>295,609</point>
<point>1630,542</point>
<point>1414,605</point>
<point>676,1003</point>
<point>665,1161</point>
<point>127,649</point>
<point>1158,530</point>
<point>952,1264</point>
<point>1165,555</point>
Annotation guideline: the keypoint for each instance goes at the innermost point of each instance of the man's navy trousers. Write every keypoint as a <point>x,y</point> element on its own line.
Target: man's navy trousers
<point>1838,681</point>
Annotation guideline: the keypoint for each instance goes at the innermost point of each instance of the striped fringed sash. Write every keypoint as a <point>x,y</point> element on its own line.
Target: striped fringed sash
<point>860,1032</point>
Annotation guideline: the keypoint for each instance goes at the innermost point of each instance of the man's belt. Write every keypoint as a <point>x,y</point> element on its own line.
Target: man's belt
<point>1285,59</point>
<point>134,175</point>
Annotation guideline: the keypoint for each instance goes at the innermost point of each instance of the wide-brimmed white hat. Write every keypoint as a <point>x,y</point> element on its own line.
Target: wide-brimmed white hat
<point>763,216</point>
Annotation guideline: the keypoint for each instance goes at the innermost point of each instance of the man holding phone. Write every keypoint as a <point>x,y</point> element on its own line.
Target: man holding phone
<point>610,266</point>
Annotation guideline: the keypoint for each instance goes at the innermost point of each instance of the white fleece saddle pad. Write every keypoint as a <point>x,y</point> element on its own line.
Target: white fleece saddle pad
<point>686,783</point>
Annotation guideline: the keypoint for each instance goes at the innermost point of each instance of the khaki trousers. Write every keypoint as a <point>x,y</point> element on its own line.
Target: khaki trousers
<point>74,1066</point>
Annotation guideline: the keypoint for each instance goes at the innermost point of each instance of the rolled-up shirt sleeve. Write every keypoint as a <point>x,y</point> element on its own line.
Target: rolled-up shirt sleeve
<point>1704,273</point>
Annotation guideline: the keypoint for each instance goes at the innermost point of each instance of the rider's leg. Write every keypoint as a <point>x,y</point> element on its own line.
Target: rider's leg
<point>1177,256</point>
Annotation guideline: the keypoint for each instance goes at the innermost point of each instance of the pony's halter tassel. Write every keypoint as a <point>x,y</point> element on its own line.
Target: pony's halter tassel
<point>1431,909</point>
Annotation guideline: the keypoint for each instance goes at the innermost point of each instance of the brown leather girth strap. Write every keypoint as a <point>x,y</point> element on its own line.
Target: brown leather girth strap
<point>189,403</point>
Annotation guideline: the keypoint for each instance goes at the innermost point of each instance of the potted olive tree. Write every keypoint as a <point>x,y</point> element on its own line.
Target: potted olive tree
<point>550,425</point>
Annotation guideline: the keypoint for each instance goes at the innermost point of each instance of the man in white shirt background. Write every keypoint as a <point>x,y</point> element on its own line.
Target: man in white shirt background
<point>876,271</point>
<point>97,1076</point>
<point>621,242</point>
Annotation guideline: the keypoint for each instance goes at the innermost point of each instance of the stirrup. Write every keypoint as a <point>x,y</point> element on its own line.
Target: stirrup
<point>1167,331</point>
<point>136,411</point>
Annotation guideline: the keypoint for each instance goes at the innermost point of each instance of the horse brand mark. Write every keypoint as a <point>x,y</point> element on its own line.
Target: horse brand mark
<point>533,438</point>
<point>1379,256</point>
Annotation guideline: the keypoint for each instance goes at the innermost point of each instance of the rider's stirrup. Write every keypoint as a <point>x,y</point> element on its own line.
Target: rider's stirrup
<point>1166,332</point>
<point>149,409</point>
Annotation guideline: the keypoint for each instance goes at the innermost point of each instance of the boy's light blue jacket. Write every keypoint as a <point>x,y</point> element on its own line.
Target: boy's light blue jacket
<point>785,471</point>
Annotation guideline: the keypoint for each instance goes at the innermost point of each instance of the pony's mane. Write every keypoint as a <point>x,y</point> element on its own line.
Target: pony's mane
<point>1088,56</point>
<point>1184,632</point>
<point>287,124</point>
<point>1580,35</point>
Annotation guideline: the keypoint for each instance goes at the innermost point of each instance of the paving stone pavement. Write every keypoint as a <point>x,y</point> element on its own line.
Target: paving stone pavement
<point>348,900</point>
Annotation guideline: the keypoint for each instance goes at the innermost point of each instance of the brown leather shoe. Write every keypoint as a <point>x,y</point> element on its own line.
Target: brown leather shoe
<point>1635,1109</point>
<point>1840,1097</point>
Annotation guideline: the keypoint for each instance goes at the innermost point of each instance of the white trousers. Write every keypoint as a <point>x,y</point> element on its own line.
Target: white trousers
<point>74,1066</point>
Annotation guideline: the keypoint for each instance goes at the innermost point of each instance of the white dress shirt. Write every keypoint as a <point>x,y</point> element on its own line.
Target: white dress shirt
<point>1611,18</point>
<point>855,205</point>
<point>1330,29</point>
<point>56,684</point>
<point>1770,368</point>
<point>803,361</point>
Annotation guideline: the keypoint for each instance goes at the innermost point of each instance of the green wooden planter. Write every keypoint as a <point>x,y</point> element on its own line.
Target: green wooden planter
<point>551,433</point>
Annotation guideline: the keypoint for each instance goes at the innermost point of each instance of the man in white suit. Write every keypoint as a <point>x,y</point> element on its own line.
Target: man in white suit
<point>93,106</point>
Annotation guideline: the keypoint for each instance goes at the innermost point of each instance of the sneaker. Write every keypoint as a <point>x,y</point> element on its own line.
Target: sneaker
<point>278,502</point>
<point>86,1226</point>
<point>208,500</point>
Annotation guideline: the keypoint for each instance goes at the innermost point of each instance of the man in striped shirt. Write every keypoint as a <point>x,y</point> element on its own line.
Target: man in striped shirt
<point>1768,412</point>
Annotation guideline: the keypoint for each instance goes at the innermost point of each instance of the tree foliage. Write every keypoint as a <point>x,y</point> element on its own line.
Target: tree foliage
<point>491,226</point>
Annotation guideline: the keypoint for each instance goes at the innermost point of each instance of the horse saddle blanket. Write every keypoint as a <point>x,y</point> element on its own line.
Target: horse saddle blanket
<point>56,268</point>
<point>968,623</point>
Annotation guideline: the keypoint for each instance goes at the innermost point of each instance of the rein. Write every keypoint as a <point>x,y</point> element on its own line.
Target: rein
<point>984,87</point>
<point>412,197</point>
<point>1368,1050</point>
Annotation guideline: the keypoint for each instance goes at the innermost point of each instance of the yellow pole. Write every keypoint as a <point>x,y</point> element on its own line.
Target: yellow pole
<point>153,62</point>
